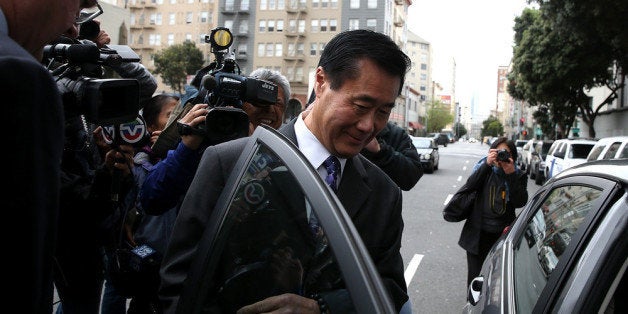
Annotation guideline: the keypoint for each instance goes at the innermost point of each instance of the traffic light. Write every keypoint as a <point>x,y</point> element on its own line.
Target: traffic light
<point>524,133</point>
<point>522,121</point>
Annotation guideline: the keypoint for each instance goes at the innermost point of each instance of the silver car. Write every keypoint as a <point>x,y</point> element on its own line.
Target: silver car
<point>567,251</point>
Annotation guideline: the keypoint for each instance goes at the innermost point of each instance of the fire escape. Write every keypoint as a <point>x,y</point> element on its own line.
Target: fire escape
<point>239,14</point>
<point>294,57</point>
<point>144,23</point>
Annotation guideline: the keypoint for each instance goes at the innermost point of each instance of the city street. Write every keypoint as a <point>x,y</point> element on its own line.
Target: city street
<point>436,268</point>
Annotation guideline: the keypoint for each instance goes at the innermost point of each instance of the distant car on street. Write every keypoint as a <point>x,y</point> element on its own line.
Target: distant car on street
<point>428,150</point>
<point>566,153</point>
<point>537,164</point>
<point>615,147</point>
<point>526,155</point>
<point>566,252</point>
<point>439,138</point>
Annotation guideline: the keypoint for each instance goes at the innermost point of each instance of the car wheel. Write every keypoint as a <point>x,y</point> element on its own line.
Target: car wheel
<point>436,166</point>
<point>445,144</point>
<point>430,168</point>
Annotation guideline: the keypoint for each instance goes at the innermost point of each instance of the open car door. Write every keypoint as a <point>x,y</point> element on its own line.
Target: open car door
<point>258,243</point>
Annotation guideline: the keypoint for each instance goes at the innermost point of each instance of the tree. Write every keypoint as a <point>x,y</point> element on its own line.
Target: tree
<point>492,127</point>
<point>565,48</point>
<point>438,116</point>
<point>176,62</point>
<point>460,130</point>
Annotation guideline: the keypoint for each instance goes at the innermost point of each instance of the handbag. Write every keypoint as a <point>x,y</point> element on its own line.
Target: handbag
<point>460,206</point>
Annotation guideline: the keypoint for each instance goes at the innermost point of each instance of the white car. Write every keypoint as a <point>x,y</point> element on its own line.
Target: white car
<point>614,147</point>
<point>566,153</point>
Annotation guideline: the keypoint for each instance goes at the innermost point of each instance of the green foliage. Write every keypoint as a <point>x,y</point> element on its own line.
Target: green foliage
<point>460,129</point>
<point>564,48</point>
<point>438,116</point>
<point>176,62</point>
<point>492,127</point>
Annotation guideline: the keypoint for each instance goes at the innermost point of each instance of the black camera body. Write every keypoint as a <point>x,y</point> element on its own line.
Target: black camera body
<point>225,90</point>
<point>503,155</point>
<point>78,70</point>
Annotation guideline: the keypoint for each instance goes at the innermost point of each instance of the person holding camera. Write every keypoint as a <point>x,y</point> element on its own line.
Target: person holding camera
<point>500,187</point>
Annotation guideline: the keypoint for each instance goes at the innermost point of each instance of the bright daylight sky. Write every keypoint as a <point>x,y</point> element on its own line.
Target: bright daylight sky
<point>477,34</point>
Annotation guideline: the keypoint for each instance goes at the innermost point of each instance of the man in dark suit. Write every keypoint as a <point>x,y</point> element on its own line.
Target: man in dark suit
<point>33,123</point>
<point>360,74</point>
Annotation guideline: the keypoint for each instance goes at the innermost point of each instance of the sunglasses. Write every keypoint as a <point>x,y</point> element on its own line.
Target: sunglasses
<point>89,14</point>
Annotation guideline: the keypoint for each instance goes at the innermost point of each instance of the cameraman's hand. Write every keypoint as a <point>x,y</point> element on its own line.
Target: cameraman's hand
<point>193,118</point>
<point>121,158</point>
<point>491,158</point>
<point>285,303</point>
<point>507,166</point>
<point>102,39</point>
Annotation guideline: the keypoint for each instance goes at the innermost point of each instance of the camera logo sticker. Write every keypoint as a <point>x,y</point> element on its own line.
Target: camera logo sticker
<point>133,132</point>
<point>254,193</point>
<point>107,133</point>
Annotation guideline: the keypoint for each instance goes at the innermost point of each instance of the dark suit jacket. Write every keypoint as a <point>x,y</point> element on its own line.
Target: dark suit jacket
<point>33,141</point>
<point>368,195</point>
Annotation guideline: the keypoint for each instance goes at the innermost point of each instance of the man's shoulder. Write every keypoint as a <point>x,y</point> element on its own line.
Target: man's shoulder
<point>374,174</point>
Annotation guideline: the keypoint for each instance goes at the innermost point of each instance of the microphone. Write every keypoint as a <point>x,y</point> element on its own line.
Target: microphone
<point>208,82</point>
<point>73,53</point>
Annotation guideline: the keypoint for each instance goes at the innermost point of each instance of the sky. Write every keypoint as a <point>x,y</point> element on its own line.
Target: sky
<point>478,35</point>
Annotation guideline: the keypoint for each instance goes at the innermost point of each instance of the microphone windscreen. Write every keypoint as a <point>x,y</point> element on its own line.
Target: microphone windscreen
<point>83,53</point>
<point>208,82</point>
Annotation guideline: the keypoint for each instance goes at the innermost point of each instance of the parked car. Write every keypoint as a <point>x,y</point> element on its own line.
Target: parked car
<point>609,148</point>
<point>526,155</point>
<point>439,138</point>
<point>271,186</point>
<point>566,252</point>
<point>519,145</point>
<point>428,150</point>
<point>537,163</point>
<point>566,153</point>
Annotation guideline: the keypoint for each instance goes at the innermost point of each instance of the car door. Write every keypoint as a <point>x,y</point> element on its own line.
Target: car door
<point>548,243</point>
<point>258,244</point>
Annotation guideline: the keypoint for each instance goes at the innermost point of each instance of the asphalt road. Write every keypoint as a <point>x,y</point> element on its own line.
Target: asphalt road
<point>436,268</point>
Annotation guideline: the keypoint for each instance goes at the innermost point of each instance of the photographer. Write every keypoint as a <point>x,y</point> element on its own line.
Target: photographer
<point>500,187</point>
<point>35,120</point>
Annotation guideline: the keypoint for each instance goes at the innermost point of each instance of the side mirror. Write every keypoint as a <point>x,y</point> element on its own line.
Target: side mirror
<point>475,290</point>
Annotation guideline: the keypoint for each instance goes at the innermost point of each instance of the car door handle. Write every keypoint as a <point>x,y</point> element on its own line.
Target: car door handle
<point>475,290</point>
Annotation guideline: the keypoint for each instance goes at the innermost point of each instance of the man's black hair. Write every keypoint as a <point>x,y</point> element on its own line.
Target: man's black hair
<point>153,107</point>
<point>341,55</point>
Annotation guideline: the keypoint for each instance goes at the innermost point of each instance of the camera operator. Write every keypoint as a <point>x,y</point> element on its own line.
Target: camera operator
<point>35,120</point>
<point>94,195</point>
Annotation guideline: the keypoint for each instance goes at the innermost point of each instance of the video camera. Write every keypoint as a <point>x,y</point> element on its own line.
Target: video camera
<point>78,69</point>
<point>225,90</point>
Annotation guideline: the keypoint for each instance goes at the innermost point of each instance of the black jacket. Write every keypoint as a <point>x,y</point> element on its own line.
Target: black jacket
<point>489,202</point>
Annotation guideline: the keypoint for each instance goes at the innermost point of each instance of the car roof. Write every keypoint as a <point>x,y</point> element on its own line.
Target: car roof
<point>615,169</point>
<point>611,139</point>
<point>578,140</point>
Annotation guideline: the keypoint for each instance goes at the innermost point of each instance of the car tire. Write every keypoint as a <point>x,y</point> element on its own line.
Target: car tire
<point>445,144</point>
<point>430,168</point>
<point>436,166</point>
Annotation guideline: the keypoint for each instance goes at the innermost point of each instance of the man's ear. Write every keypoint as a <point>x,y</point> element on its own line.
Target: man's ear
<point>320,81</point>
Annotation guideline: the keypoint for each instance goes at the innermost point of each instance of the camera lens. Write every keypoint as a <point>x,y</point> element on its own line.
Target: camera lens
<point>503,155</point>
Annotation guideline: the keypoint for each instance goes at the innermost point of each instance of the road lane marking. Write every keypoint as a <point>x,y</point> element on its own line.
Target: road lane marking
<point>459,178</point>
<point>412,267</point>
<point>449,196</point>
<point>464,168</point>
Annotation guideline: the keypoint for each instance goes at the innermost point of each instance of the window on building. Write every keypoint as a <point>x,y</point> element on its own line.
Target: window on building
<point>170,39</point>
<point>153,19</point>
<point>291,50</point>
<point>262,26</point>
<point>333,25</point>
<point>281,4</point>
<point>314,26</point>
<point>159,19</point>
<point>271,26</point>
<point>261,50</point>
<point>323,25</point>
<point>354,24</point>
<point>188,36</point>
<point>423,77</point>
<point>423,88</point>
<point>244,5</point>
<point>242,49</point>
<point>292,26</point>
<point>354,4</point>
<point>270,51</point>
<point>188,17</point>
<point>140,39</point>
<point>333,4</point>
<point>315,3</point>
<point>324,3</point>
<point>371,4</point>
<point>301,26</point>
<point>279,25</point>
<point>299,74</point>
<point>300,47</point>
<point>424,58</point>
<point>423,66</point>
<point>229,5</point>
<point>272,4</point>
<point>172,18</point>
<point>244,26</point>
<point>321,46</point>
<point>263,5</point>
<point>290,74</point>
<point>371,24</point>
<point>173,1</point>
<point>229,24</point>
<point>313,49</point>
<point>425,46</point>
<point>278,49</point>
<point>132,19</point>
<point>203,17</point>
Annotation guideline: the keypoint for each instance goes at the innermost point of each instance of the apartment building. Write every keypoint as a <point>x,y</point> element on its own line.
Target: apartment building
<point>287,36</point>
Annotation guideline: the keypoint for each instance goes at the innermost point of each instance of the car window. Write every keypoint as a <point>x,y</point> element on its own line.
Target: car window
<point>259,242</point>
<point>624,152</point>
<point>553,148</point>
<point>580,150</point>
<point>595,152</point>
<point>612,150</point>
<point>547,235</point>
<point>421,143</point>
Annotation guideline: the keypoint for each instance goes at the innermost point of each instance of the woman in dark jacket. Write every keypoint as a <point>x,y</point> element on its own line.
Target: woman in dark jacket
<point>500,188</point>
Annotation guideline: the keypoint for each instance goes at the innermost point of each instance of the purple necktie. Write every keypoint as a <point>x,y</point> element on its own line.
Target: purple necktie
<point>332,165</point>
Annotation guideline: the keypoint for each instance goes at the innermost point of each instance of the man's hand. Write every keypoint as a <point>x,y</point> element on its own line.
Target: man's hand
<point>285,303</point>
<point>194,117</point>
<point>121,159</point>
<point>373,146</point>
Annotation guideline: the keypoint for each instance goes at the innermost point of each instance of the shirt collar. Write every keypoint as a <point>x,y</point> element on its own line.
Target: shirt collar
<point>311,147</point>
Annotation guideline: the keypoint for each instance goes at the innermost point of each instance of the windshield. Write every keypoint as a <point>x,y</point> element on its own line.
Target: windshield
<point>421,143</point>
